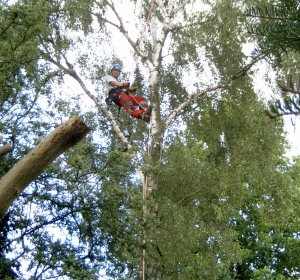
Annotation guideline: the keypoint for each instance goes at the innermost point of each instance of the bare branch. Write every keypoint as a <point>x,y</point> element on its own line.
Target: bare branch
<point>286,89</point>
<point>271,18</point>
<point>122,29</point>
<point>106,20</point>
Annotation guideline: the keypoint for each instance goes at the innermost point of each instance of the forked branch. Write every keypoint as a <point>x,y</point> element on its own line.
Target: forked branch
<point>220,85</point>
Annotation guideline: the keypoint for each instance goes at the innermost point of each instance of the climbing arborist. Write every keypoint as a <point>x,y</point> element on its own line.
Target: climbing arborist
<point>120,94</point>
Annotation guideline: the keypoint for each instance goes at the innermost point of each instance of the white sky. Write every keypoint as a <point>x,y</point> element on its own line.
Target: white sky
<point>293,134</point>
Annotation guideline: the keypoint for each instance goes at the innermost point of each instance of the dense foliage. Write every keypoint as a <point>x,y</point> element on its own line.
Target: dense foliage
<point>275,27</point>
<point>225,203</point>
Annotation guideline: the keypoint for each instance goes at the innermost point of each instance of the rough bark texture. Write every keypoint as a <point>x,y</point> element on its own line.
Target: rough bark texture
<point>33,164</point>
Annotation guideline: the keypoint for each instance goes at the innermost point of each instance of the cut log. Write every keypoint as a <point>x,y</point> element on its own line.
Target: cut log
<point>33,164</point>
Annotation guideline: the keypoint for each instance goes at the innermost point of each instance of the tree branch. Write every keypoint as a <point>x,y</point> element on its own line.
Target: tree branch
<point>122,29</point>
<point>33,164</point>
<point>161,6</point>
<point>195,192</point>
<point>286,89</point>
<point>71,71</point>
<point>74,75</point>
<point>180,6</point>
<point>220,85</point>
<point>271,18</point>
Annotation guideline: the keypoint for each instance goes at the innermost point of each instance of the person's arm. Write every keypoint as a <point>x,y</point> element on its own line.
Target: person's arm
<point>112,82</point>
<point>115,84</point>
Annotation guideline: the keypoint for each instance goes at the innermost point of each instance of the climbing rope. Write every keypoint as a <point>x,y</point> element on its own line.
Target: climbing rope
<point>145,182</point>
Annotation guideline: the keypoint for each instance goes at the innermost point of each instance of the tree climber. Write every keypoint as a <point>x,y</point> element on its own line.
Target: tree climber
<point>120,94</point>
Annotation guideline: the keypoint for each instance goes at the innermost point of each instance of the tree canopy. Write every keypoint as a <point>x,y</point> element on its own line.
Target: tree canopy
<point>275,28</point>
<point>202,192</point>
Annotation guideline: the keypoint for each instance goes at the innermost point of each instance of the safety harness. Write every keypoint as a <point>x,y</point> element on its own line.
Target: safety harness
<point>114,95</point>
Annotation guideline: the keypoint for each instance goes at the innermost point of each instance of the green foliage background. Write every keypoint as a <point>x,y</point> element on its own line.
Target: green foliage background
<point>226,203</point>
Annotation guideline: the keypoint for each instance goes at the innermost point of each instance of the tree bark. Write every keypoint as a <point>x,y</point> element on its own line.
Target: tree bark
<point>33,164</point>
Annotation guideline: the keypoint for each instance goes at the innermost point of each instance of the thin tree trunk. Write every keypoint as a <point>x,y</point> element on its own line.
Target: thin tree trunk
<point>33,164</point>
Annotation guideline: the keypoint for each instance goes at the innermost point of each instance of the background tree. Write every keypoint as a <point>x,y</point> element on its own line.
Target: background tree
<point>211,156</point>
<point>19,73</point>
<point>275,28</point>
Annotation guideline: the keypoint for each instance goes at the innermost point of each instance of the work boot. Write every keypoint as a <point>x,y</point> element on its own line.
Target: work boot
<point>146,115</point>
<point>149,110</point>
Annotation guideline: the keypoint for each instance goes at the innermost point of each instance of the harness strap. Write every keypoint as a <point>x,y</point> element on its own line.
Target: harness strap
<point>114,94</point>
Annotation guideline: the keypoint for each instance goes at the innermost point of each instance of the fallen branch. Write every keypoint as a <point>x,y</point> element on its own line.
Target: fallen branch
<point>27,169</point>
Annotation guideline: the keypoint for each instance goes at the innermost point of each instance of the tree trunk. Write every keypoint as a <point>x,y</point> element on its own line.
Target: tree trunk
<point>33,164</point>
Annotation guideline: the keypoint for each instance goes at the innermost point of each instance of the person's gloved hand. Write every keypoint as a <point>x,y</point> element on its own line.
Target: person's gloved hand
<point>126,85</point>
<point>132,89</point>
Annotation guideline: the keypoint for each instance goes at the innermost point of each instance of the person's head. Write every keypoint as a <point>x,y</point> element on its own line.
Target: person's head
<point>116,70</point>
